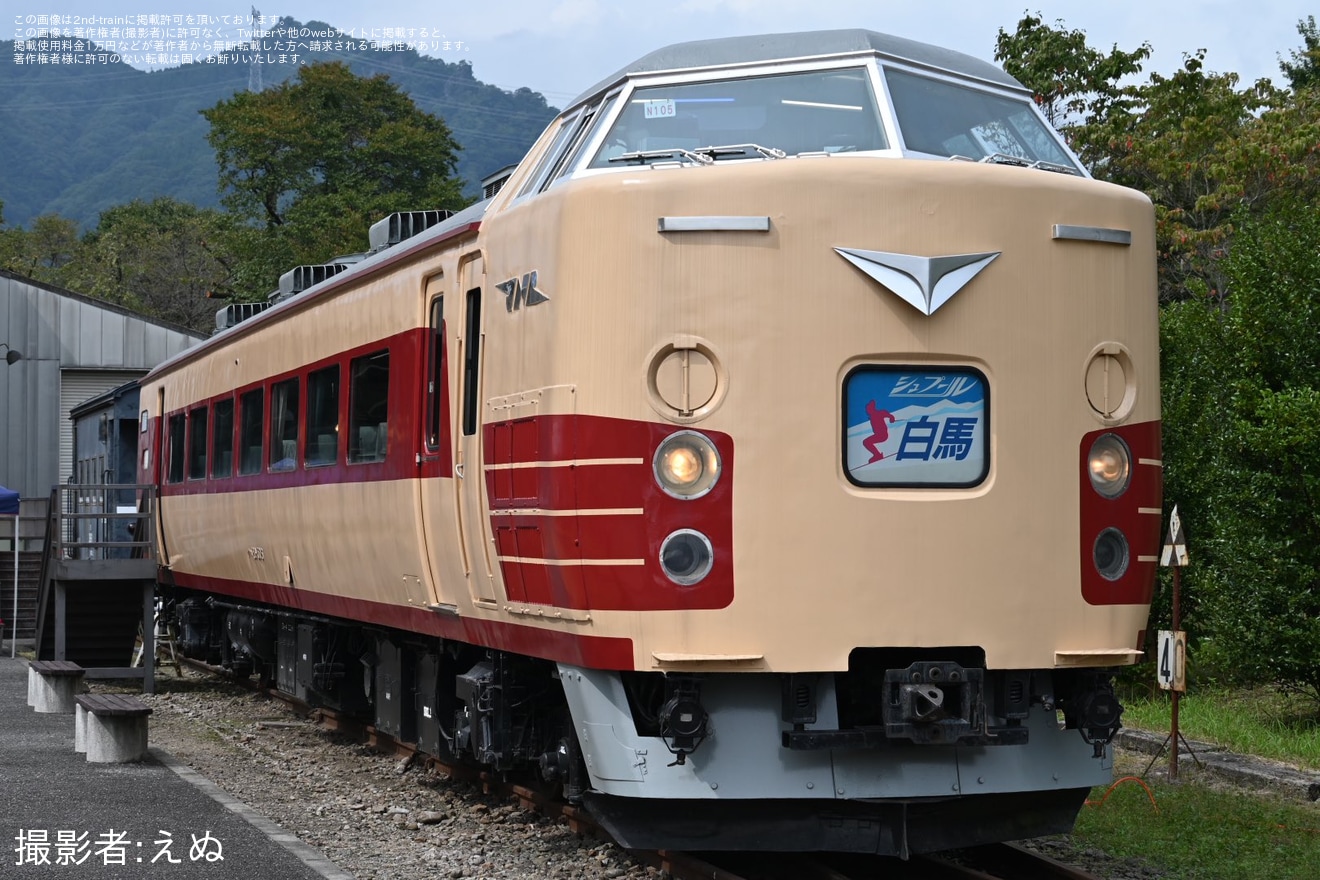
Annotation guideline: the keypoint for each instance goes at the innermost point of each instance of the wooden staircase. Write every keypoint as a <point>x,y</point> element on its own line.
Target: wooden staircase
<point>29,580</point>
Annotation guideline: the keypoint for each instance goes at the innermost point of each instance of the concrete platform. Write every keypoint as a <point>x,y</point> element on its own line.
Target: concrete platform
<point>49,791</point>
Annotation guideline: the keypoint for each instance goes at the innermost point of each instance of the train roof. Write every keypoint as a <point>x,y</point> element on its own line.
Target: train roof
<point>463,221</point>
<point>729,51</point>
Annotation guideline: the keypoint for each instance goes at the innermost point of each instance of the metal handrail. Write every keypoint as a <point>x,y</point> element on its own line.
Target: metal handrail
<point>86,516</point>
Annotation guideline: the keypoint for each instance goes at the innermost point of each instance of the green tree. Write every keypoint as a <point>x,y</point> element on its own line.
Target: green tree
<point>1242,417</point>
<point>1303,71</point>
<point>1182,145</point>
<point>1194,141</point>
<point>1071,80</point>
<point>316,160</point>
<point>41,252</point>
<point>163,258</point>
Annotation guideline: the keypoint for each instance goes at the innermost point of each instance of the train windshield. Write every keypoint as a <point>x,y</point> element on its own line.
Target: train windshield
<point>944,119</point>
<point>823,111</point>
<point>827,111</point>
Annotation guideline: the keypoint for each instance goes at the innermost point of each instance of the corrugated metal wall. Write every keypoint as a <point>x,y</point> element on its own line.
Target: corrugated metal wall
<point>61,334</point>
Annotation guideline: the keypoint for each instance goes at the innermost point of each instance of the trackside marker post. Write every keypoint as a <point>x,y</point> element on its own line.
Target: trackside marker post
<point>1175,549</point>
<point>1170,662</point>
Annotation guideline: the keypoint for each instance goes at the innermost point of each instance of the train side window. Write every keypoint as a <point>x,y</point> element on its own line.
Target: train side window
<point>322,437</point>
<point>222,439</point>
<point>284,425</point>
<point>556,147</point>
<point>471,361</point>
<point>590,126</point>
<point>197,436</point>
<point>437,388</point>
<point>174,473</point>
<point>251,431</point>
<point>368,407</point>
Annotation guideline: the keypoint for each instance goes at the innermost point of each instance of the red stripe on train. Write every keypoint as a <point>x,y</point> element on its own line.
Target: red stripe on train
<point>597,652</point>
<point>607,560</point>
<point>1142,530</point>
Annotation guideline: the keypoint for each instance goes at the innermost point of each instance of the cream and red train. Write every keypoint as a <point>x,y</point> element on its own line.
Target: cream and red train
<point>774,461</point>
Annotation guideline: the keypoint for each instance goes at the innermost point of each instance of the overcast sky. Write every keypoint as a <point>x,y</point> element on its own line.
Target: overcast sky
<point>560,47</point>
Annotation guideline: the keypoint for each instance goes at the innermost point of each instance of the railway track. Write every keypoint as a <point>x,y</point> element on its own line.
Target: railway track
<point>995,862</point>
<point>1006,861</point>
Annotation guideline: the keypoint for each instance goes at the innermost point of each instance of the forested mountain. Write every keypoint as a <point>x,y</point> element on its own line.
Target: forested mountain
<point>79,139</point>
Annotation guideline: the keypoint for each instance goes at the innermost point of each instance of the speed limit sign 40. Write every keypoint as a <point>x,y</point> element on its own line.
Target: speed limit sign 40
<point>1170,661</point>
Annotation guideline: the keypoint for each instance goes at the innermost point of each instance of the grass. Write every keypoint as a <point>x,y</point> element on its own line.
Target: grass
<point>1261,721</point>
<point>1200,828</point>
<point>1200,831</point>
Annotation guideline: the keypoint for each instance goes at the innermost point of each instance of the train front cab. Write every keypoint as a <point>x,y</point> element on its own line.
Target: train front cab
<point>796,696</point>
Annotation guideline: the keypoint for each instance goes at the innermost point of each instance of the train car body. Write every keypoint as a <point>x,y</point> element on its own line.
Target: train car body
<point>752,463</point>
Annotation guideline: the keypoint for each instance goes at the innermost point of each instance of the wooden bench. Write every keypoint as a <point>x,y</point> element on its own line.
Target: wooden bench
<point>52,685</point>
<point>111,728</point>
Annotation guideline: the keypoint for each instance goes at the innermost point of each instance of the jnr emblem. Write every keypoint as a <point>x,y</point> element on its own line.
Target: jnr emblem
<point>925,283</point>
<point>518,291</point>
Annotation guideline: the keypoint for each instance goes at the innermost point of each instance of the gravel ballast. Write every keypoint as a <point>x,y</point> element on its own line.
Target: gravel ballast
<point>382,818</point>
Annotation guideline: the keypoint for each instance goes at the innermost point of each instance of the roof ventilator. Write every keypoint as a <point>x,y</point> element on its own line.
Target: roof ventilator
<point>401,225</point>
<point>236,312</point>
<point>299,278</point>
<point>493,183</point>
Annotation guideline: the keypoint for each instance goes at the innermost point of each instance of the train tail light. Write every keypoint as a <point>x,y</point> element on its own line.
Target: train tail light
<point>686,557</point>
<point>1111,554</point>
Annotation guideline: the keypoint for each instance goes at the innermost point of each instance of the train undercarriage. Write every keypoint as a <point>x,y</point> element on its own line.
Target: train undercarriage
<point>909,751</point>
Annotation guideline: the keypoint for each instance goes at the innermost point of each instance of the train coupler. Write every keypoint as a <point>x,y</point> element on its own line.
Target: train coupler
<point>934,702</point>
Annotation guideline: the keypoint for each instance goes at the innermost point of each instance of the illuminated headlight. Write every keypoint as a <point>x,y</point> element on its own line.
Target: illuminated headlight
<point>687,557</point>
<point>1111,554</point>
<point>1110,464</point>
<point>687,465</point>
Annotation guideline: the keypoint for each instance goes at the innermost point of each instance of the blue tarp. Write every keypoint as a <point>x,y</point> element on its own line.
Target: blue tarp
<point>8,502</point>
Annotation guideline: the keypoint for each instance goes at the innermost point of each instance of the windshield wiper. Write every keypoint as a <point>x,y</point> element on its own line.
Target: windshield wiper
<point>1005,159</point>
<point>700,155</point>
<point>1040,164</point>
<point>1055,167</point>
<point>735,150</point>
<point>643,157</point>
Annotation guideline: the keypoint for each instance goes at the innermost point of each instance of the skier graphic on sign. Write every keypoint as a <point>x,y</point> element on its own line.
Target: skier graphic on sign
<point>879,430</point>
<point>906,427</point>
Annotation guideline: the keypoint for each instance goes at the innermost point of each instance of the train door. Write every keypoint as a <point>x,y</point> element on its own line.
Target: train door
<point>469,475</point>
<point>437,509</point>
<point>155,470</point>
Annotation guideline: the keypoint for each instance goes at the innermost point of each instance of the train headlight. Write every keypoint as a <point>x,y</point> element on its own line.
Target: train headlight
<point>1111,554</point>
<point>687,557</point>
<point>687,465</point>
<point>1110,465</point>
